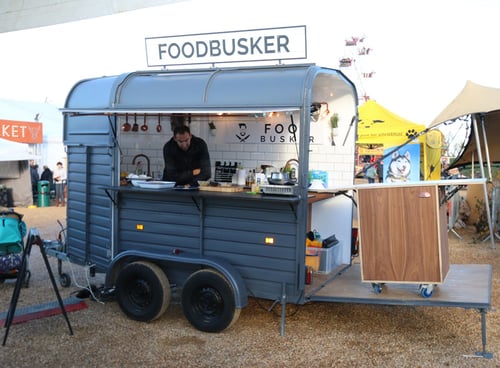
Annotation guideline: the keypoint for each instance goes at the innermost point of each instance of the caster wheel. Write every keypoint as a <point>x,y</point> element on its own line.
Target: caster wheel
<point>426,291</point>
<point>377,288</point>
<point>64,280</point>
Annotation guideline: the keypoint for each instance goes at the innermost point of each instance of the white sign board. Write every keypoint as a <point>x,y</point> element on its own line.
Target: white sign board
<point>223,47</point>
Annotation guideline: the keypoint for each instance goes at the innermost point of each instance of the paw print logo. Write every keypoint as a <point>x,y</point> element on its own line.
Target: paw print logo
<point>411,133</point>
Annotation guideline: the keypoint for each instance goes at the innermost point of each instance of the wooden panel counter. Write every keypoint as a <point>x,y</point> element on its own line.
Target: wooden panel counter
<point>403,234</point>
<point>403,231</point>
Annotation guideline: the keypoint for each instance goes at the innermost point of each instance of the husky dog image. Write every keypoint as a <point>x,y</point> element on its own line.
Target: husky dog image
<point>399,167</point>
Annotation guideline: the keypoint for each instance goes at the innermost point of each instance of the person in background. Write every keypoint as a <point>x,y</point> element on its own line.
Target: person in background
<point>371,173</point>
<point>47,175</point>
<point>60,182</point>
<point>380,171</point>
<point>34,180</point>
<point>186,158</point>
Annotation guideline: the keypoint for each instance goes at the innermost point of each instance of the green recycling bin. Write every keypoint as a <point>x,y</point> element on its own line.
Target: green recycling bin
<point>43,193</point>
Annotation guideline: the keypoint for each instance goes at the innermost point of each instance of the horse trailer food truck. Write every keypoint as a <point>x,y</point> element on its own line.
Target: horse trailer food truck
<point>221,243</point>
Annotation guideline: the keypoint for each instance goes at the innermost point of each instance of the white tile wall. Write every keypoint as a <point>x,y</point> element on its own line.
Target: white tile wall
<point>337,160</point>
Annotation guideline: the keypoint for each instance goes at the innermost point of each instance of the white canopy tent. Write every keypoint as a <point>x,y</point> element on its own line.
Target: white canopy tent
<point>13,151</point>
<point>483,104</point>
<point>15,173</point>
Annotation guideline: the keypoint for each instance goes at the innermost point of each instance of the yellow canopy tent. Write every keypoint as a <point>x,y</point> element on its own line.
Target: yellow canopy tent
<point>379,127</point>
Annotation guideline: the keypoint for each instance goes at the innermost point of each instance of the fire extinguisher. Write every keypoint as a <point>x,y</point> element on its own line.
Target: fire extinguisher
<point>309,275</point>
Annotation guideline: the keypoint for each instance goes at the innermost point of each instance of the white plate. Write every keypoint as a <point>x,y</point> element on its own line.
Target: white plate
<point>156,184</point>
<point>135,181</point>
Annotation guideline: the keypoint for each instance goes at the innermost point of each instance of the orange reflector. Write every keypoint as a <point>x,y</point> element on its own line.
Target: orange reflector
<point>268,240</point>
<point>139,227</point>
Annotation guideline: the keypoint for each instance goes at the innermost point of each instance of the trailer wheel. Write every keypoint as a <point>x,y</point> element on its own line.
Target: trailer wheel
<point>208,301</point>
<point>143,291</point>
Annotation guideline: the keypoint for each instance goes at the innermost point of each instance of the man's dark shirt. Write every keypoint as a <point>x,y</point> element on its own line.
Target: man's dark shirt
<point>179,164</point>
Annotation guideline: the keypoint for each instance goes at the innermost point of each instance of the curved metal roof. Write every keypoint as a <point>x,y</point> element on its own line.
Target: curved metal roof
<point>272,88</point>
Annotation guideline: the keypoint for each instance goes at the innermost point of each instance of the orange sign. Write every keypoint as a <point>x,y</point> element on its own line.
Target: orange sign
<point>21,131</point>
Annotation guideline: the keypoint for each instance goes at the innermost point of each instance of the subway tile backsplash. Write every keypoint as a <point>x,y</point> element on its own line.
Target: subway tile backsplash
<point>335,159</point>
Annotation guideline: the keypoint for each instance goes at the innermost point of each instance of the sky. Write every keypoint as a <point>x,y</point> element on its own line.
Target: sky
<point>423,52</point>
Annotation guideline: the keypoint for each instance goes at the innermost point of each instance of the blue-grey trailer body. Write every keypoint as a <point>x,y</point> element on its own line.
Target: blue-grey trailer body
<point>221,247</point>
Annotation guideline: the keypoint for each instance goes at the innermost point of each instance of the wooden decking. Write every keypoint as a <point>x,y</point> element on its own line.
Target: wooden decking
<point>466,285</point>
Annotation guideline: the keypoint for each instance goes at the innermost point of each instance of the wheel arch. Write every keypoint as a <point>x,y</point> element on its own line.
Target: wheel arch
<point>225,268</point>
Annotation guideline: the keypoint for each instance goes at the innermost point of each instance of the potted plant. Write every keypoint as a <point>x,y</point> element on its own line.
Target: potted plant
<point>334,123</point>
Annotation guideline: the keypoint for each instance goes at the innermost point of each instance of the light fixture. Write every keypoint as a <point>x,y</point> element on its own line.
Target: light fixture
<point>315,111</point>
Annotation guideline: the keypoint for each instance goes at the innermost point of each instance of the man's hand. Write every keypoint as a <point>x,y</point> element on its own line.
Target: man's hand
<point>196,172</point>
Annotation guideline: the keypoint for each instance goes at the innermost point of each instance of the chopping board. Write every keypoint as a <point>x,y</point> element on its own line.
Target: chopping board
<point>228,189</point>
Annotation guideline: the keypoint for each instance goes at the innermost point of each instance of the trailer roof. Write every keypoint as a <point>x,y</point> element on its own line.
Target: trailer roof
<point>236,90</point>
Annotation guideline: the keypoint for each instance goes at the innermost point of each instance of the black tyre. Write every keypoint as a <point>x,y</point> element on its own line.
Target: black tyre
<point>143,291</point>
<point>208,301</point>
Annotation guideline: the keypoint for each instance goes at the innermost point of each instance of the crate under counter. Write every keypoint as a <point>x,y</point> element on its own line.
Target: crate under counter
<point>324,260</point>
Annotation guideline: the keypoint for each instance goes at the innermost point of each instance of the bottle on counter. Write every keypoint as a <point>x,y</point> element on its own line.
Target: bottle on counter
<point>250,180</point>
<point>256,185</point>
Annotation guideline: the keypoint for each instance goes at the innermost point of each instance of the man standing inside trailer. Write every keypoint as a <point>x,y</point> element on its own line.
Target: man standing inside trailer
<point>186,158</point>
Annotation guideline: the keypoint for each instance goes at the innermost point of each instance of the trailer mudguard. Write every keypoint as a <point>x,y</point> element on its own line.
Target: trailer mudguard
<point>225,268</point>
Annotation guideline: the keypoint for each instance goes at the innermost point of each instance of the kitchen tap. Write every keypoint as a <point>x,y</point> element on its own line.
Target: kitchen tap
<point>147,161</point>
<point>291,164</point>
<point>288,165</point>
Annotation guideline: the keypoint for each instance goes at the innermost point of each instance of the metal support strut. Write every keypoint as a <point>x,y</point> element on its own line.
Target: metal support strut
<point>283,310</point>
<point>484,353</point>
<point>33,238</point>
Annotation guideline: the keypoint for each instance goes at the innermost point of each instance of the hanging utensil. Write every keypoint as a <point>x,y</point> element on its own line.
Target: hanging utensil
<point>126,125</point>
<point>158,127</point>
<point>135,127</point>
<point>144,126</point>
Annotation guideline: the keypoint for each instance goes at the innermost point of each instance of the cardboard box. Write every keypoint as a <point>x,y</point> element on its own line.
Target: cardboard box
<point>323,260</point>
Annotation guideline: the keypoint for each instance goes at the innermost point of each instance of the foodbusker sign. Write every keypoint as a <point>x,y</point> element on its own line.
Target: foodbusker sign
<point>283,43</point>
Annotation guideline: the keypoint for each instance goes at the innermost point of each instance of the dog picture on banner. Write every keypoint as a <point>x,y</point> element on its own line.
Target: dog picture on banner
<point>403,164</point>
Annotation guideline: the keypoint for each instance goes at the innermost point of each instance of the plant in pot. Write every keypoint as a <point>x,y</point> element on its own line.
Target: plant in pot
<point>334,123</point>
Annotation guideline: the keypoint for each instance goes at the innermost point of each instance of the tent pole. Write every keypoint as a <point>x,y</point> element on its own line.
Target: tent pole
<point>485,189</point>
<point>486,150</point>
<point>472,166</point>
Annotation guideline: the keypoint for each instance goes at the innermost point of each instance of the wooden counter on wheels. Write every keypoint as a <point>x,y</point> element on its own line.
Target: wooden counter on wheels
<point>403,234</point>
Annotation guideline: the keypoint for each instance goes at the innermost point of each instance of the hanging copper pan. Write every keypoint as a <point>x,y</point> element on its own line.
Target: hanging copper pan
<point>144,126</point>
<point>126,126</point>
<point>158,127</point>
<point>135,127</point>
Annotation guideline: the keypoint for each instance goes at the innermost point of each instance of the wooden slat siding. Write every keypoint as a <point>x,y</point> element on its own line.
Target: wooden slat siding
<point>235,230</point>
<point>167,223</point>
<point>89,211</point>
<point>230,229</point>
